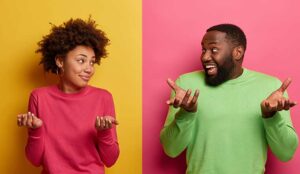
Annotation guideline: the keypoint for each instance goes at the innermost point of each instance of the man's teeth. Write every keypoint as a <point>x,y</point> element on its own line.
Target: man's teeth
<point>210,66</point>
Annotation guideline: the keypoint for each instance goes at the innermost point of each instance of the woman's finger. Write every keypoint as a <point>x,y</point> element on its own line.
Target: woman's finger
<point>19,120</point>
<point>97,122</point>
<point>109,123</point>
<point>115,122</point>
<point>24,119</point>
<point>105,123</point>
<point>29,121</point>
<point>102,123</point>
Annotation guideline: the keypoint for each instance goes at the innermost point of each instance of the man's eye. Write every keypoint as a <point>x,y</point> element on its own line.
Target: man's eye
<point>214,50</point>
<point>203,50</point>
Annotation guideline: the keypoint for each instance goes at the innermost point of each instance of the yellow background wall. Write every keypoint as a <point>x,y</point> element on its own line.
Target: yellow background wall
<point>23,23</point>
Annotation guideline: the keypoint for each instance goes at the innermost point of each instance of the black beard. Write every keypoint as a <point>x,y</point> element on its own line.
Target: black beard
<point>223,74</point>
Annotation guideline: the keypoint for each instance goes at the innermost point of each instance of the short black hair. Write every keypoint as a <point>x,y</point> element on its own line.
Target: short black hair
<point>67,36</point>
<point>233,32</point>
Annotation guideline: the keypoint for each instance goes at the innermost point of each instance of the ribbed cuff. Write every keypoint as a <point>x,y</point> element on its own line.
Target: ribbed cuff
<point>273,121</point>
<point>105,137</point>
<point>36,133</point>
<point>104,133</point>
<point>183,115</point>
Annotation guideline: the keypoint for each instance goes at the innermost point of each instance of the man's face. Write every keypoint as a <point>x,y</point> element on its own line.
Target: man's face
<point>216,57</point>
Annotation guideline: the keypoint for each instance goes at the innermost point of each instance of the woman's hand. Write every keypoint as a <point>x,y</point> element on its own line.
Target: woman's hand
<point>105,122</point>
<point>29,120</point>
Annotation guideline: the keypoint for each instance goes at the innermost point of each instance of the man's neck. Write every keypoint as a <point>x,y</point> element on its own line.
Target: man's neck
<point>238,71</point>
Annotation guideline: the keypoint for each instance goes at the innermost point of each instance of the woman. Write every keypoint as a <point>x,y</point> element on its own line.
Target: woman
<point>71,125</point>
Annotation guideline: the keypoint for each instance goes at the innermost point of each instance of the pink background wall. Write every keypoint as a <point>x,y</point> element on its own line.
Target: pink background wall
<point>172,33</point>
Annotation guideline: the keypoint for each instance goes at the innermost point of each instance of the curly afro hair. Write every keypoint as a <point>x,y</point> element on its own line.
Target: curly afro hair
<point>66,37</point>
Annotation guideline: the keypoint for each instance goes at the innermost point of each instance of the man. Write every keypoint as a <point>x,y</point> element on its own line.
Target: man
<point>227,128</point>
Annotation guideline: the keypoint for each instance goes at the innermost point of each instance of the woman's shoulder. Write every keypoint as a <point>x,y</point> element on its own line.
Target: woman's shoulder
<point>99,91</point>
<point>54,91</point>
<point>42,90</point>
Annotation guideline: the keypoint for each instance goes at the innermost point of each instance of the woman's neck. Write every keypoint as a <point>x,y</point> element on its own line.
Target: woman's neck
<point>67,87</point>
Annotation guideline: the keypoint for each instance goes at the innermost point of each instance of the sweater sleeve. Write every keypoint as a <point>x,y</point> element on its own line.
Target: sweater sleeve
<point>107,139</point>
<point>178,130</point>
<point>281,135</point>
<point>35,142</point>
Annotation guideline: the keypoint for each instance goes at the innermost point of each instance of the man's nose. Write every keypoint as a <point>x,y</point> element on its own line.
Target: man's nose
<point>206,57</point>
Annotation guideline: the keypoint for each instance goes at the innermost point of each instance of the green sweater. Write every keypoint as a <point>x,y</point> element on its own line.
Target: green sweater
<point>227,135</point>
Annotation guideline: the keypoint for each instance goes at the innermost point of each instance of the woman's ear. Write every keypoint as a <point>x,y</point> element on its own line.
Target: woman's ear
<point>59,61</point>
<point>238,53</point>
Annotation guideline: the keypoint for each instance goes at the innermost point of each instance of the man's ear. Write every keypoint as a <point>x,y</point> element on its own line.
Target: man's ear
<point>59,61</point>
<point>238,53</point>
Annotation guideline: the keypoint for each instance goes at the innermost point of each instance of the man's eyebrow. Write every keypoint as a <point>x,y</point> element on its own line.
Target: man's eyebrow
<point>210,43</point>
<point>213,42</point>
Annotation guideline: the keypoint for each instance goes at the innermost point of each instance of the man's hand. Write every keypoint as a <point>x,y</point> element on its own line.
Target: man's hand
<point>29,120</point>
<point>105,122</point>
<point>183,99</point>
<point>276,101</point>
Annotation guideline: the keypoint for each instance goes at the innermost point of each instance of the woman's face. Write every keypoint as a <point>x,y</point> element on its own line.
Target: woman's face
<point>77,67</point>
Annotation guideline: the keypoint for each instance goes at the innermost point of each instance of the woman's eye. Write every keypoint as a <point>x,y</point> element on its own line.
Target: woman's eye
<point>92,62</point>
<point>80,61</point>
<point>203,50</point>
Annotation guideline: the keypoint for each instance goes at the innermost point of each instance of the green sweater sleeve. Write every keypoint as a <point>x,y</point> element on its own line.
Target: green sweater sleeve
<point>177,131</point>
<point>281,136</point>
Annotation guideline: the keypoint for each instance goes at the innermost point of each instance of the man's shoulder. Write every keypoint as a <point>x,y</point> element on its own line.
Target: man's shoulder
<point>193,75</point>
<point>263,78</point>
<point>191,78</point>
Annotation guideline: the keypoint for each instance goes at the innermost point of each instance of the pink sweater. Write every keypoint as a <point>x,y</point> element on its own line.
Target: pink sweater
<point>68,142</point>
